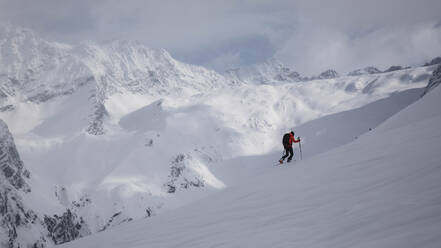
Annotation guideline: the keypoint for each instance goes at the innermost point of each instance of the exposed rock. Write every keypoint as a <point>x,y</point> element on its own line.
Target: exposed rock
<point>41,97</point>
<point>328,74</point>
<point>66,227</point>
<point>434,61</point>
<point>96,125</point>
<point>116,219</point>
<point>180,177</point>
<point>434,81</point>
<point>269,72</point>
<point>394,68</point>
<point>3,95</point>
<point>366,70</point>
<point>82,202</point>
<point>368,89</point>
<point>16,219</point>
<point>10,163</point>
<point>7,108</point>
<point>26,60</point>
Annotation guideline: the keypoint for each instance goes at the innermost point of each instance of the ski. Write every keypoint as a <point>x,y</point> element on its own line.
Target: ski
<point>282,163</point>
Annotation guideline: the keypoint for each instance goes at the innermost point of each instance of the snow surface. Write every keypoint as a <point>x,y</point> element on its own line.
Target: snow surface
<point>381,190</point>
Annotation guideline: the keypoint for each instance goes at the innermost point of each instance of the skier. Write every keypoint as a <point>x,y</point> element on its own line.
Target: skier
<point>287,141</point>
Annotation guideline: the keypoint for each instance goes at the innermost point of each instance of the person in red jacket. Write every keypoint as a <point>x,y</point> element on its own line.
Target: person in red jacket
<point>287,141</point>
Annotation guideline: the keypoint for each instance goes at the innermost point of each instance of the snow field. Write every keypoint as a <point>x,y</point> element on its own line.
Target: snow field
<point>122,170</point>
<point>382,190</point>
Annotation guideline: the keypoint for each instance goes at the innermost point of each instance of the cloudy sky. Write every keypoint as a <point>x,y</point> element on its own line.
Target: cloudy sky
<point>309,36</point>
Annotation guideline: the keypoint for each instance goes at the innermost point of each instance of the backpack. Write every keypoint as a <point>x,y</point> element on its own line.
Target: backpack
<point>285,140</point>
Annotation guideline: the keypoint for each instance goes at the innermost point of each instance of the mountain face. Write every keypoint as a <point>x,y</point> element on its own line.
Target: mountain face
<point>269,72</point>
<point>273,72</point>
<point>35,70</point>
<point>20,225</point>
<point>116,132</point>
<point>16,219</point>
<point>366,70</point>
<point>434,81</point>
<point>66,227</point>
<point>11,165</point>
<point>328,74</point>
<point>396,68</point>
<point>434,61</point>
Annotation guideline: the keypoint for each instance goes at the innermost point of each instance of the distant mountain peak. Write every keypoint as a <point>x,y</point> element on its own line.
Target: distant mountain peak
<point>328,74</point>
<point>434,81</point>
<point>434,61</point>
<point>272,71</point>
<point>364,71</point>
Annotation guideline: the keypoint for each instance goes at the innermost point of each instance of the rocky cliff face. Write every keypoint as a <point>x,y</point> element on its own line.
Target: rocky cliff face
<point>10,164</point>
<point>17,222</point>
<point>20,225</point>
<point>66,227</point>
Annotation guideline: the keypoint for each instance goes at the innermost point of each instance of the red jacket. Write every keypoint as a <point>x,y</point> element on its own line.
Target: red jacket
<point>292,140</point>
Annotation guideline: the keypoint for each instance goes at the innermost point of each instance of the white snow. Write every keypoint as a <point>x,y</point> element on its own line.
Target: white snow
<point>381,190</point>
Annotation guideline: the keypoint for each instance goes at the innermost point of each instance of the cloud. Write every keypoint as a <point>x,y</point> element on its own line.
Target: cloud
<point>310,35</point>
<point>232,53</point>
<point>345,36</point>
<point>312,51</point>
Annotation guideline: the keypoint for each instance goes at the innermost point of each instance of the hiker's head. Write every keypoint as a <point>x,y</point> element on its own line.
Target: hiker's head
<point>292,132</point>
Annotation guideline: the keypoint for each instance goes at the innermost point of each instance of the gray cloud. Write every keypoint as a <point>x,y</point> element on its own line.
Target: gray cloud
<point>345,36</point>
<point>232,53</point>
<point>309,35</point>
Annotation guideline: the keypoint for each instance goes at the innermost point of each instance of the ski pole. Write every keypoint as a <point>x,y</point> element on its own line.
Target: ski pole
<point>300,147</point>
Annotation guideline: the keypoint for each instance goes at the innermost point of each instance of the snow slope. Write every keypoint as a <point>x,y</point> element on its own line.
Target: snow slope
<point>381,190</point>
<point>338,129</point>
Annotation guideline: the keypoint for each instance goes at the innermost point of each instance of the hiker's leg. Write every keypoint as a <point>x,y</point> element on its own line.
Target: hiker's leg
<point>286,153</point>
<point>291,153</point>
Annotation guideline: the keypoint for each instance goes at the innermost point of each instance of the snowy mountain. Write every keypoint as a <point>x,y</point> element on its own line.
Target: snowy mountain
<point>270,72</point>
<point>328,74</point>
<point>368,70</point>
<point>273,72</point>
<point>434,61</point>
<point>382,190</point>
<point>396,68</point>
<point>17,221</point>
<point>118,132</point>
<point>434,81</point>
<point>35,70</point>
<point>21,225</point>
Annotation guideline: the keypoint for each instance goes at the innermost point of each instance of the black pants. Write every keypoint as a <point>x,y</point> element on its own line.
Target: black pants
<point>288,151</point>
